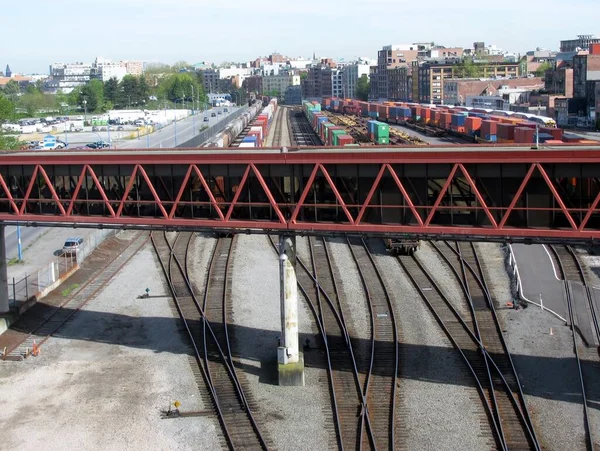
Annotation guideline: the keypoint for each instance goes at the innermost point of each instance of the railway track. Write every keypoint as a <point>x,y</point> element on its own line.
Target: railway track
<point>205,321</point>
<point>503,408</point>
<point>380,386</point>
<point>45,327</point>
<point>588,359</point>
<point>278,129</point>
<point>302,133</point>
<point>506,397</point>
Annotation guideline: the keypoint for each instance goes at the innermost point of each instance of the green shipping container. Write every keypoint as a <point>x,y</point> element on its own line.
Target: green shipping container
<point>327,126</point>
<point>382,131</point>
<point>337,133</point>
<point>382,140</point>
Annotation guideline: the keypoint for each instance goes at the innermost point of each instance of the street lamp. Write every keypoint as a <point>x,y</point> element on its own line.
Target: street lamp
<point>85,110</point>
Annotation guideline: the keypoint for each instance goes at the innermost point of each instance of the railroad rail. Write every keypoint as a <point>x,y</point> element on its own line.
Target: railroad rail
<point>278,129</point>
<point>502,408</point>
<point>571,269</point>
<point>509,404</point>
<point>302,133</point>
<point>381,384</point>
<point>205,321</point>
<point>39,329</point>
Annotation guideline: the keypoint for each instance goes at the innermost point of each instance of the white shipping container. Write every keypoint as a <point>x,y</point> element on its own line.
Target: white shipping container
<point>247,145</point>
<point>257,129</point>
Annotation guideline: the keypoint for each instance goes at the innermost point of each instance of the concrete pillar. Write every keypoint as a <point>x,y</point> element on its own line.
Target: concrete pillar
<point>4,307</point>
<point>289,358</point>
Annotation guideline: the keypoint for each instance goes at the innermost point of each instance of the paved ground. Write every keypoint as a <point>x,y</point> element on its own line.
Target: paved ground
<point>427,138</point>
<point>103,381</point>
<point>539,279</point>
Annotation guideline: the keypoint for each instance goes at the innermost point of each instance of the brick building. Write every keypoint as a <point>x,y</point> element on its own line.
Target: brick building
<point>582,42</point>
<point>559,81</point>
<point>456,90</point>
<point>318,82</point>
<point>399,84</point>
<point>428,77</point>
<point>585,68</point>
<point>390,57</point>
<point>253,83</point>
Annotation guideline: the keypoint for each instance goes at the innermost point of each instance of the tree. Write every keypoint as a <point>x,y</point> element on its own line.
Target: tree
<point>8,142</point>
<point>128,89</point>
<point>34,101</point>
<point>541,70</point>
<point>93,93</point>
<point>111,90</point>
<point>11,88</point>
<point>362,88</point>
<point>178,87</point>
<point>7,109</point>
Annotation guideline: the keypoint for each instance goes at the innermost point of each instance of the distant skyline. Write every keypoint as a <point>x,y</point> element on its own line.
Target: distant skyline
<point>197,30</point>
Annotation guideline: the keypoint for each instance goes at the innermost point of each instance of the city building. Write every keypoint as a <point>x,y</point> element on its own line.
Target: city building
<point>253,83</point>
<point>350,76</point>
<point>68,76</point>
<point>8,72</point>
<point>336,83</point>
<point>428,76</point>
<point>559,80</point>
<point>390,57</point>
<point>210,80</point>
<point>586,68</point>
<point>502,99</point>
<point>458,90</point>
<point>104,69</point>
<point>318,82</point>
<point>23,81</point>
<point>293,95</point>
<point>279,83</point>
<point>582,42</point>
<point>135,68</point>
<point>536,58</point>
<point>399,84</point>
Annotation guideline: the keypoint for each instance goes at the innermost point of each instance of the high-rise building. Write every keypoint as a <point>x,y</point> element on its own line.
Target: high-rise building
<point>67,76</point>
<point>350,76</point>
<point>390,57</point>
<point>336,83</point>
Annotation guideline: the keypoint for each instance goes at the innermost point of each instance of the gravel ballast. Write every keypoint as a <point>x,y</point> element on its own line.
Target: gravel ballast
<point>545,363</point>
<point>295,417</point>
<point>102,382</point>
<point>441,408</point>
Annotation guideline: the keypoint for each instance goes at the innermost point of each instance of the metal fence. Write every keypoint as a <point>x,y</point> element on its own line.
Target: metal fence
<point>19,291</point>
<point>211,131</point>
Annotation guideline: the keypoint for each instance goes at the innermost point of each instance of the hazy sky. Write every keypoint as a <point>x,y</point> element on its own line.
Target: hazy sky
<point>36,33</point>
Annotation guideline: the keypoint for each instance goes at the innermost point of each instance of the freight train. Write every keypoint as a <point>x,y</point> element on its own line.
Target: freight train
<point>472,124</point>
<point>228,135</point>
<point>257,131</point>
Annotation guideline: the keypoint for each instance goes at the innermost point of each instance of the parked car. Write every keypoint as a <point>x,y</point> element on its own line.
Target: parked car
<point>213,115</point>
<point>72,245</point>
<point>60,144</point>
<point>98,145</point>
<point>139,123</point>
<point>95,129</point>
<point>120,128</point>
<point>206,119</point>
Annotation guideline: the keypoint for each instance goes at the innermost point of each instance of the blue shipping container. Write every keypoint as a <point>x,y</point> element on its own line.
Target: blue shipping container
<point>492,138</point>
<point>458,120</point>
<point>374,114</point>
<point>372,126</point>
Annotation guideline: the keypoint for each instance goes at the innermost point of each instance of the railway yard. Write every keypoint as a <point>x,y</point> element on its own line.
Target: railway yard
<point>168,340</point>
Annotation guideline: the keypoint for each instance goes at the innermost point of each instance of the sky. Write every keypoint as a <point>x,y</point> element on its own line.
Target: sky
<point>236,30</point>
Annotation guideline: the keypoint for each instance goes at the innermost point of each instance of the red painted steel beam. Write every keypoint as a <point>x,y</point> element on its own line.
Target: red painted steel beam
<point>445,155</point>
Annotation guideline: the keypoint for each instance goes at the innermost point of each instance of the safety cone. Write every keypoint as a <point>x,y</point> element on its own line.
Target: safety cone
<point>35,351</point>
<point>551,333</point>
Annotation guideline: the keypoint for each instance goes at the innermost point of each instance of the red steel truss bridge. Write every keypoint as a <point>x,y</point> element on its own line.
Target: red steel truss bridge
<point>470,193</point>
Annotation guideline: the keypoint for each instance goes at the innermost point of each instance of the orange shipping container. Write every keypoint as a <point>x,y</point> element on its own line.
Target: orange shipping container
<point>472,123</point>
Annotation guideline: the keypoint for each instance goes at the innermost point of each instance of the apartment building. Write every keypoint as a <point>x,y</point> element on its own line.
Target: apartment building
<point>390,57</point>
<point>279,83</point>
<point>318,82</point>
<point>68,76</point>
<point>429,76</point>
<point>458,90</point>
<point>350,76</point>
<point>586,68</point>
<point>399,84</point>
<point>582,42</point>
<point>337,83</point>
<point>559,81</point>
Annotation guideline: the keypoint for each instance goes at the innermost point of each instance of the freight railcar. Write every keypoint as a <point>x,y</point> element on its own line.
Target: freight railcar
<point>402,246</point>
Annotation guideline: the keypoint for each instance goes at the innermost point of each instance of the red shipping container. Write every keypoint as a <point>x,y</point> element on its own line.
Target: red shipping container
<point>383,112</point>
<point>472,123</point>
<point>528,124</point>
<point>373,107</point>
<point>344,140</point>
<point>488,128</point>
<point>594,49</point>
<point>557,133</point>
<point>524,135</point>
<point>506,131</point>
<point>259,143</point>
<point>425,113</point>
<point>415,112</point>
<point>445,120</point>
<point>329,143</point>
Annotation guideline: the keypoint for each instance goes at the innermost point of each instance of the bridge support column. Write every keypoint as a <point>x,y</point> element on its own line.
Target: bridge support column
<point>4,306</point>
<point>289,358</point>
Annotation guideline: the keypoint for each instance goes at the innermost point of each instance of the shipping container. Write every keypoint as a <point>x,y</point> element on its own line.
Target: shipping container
<point>345,140</point>
<point>524,135</point>
<point>330,134</point>
<point>488,128</point>
<point>505,132</point>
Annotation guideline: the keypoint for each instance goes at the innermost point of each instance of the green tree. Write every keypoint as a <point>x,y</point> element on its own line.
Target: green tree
<point>143,90</point>
<point>541,70</point>
<point>111,90</point>
<point>176,87</point>
<point>362,88</point>
<point>9,142</point>
<point>129,91</point>
<point>93,93</point>
<point>7,109</point>
<point>11,88</point>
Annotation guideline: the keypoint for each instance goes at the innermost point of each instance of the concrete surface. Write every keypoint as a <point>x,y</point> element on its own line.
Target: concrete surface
<point>103,380</point>
<point>538,278</point>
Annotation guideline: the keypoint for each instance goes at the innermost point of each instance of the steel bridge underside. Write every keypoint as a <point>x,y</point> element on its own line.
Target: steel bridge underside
<point>527,195</point>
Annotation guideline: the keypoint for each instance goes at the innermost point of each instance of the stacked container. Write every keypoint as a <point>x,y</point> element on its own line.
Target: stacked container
<point>489,130</point>
<point>472,126</point>
<point>524,135</point>
<point>383,112</point>
<point>457,122</point>
<point>415,111</point>
<point>249,141</point>
<point>331,132</point>
<point>345,140</point>
<point>505,132</point>
<point>426,115</point>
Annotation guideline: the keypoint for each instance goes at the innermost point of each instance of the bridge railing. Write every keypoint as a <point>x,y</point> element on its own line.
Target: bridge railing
<point>39,283</point>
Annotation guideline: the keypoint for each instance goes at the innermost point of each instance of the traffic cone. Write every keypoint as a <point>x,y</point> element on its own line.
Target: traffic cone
<point>551,333</point>
<point>35,350</point>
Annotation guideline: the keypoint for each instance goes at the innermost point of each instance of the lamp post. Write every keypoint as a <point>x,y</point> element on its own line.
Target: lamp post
<point>84,110</point>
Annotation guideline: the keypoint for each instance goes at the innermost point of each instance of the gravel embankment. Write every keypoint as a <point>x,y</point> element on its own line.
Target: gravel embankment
<point>102,382</point>
<point>295,417</point>
<point>441,407</point>
<point>545,363</point>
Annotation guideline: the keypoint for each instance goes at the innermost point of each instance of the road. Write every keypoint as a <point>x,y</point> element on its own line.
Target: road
<point>169,136</point>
